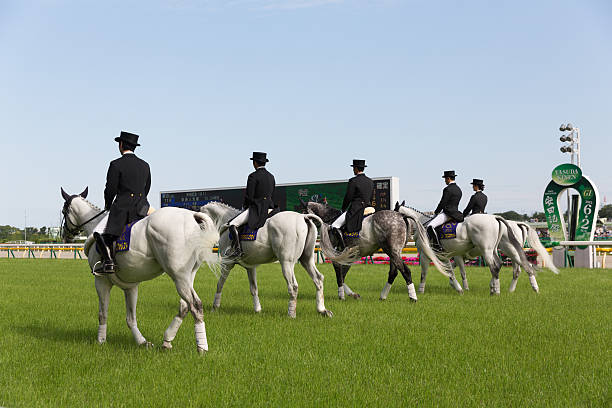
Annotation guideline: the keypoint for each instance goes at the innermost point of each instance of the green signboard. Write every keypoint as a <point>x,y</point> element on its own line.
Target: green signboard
<point>567,176</point>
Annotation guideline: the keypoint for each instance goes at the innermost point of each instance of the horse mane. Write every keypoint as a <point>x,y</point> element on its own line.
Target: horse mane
<point>221,204</point>
<point>92,205</point>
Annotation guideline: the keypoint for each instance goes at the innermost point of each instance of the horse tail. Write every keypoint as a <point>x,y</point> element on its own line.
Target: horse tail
<point>347,256</point>
<point>421,235</point>
<point>534,242</point>
<point>312,221</point>
<point>207,239</point>
<point>518,246</point>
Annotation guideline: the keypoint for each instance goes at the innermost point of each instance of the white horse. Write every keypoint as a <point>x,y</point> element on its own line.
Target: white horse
<point>478,233</point>
<point>171,240</point>
<point>287,237</point>
<point>524,233</point>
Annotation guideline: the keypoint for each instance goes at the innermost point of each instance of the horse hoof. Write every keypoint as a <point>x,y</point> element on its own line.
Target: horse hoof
<point>214,309</point>
<point>341,298</point>
<point>460,292</point>
<point>147,345</point>
<point>413,300</point>
<point>356,296</point>
<point>201,351</point>
<point>327,313</point>
<point>167,345</point>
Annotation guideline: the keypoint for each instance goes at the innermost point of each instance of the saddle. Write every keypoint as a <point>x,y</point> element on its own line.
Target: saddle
<point>245,233</point>
<point>123,242</point>
<point>448,230</point>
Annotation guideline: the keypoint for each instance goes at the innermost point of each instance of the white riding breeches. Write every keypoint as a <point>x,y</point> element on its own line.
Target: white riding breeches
<point>438,220</point>
<point>340,221</point>
<point>240,219</point>
<point>102,224</point>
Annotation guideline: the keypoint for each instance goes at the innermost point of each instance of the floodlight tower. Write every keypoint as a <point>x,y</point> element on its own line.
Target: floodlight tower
<point>573,138</point>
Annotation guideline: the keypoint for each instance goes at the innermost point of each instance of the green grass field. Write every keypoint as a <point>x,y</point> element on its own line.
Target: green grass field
<point>521,349</point>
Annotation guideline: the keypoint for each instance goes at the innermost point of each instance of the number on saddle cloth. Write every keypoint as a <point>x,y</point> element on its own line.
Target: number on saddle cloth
<point>123,242</point>
<point>448,230</point>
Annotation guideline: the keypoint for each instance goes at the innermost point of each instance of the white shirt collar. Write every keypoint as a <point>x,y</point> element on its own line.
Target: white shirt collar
<point>128,152</point>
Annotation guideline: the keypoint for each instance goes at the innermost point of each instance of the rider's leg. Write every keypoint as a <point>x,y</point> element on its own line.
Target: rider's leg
<point>104,243</point>
<point>233,225</point>
<point>335,229</point>
<point>431,229</point>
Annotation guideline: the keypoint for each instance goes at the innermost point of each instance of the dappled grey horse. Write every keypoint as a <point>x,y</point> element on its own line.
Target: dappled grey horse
<point>171,240</point>
<point>383,229</point>
<point>287,237</point>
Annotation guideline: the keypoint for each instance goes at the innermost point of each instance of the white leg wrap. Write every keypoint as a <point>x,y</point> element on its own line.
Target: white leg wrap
<point>512,287</point>
<point>411,292</point>
<point>101,333</point>
<point>217,301</point>
<point>200,335</point>
<point>171,331</point>
<point>320,301</point>
<point>465,285</point>
<point>534,283</point>
<point>341,293</point>
<point>455,284</point>
<point>256,304</point>
<point>292,307</point>
<point>347,290</point>
<point>386,290</point>
<point>422,287</point>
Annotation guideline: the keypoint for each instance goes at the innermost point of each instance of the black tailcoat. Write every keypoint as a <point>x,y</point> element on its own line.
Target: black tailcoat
<point>258,196</point>
<point>127,184</point>
<point>358,196</point>
<point>477,204</point>
<point>449,204</point>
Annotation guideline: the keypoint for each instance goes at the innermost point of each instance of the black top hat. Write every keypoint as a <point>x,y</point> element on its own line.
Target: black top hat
<point>477,182</point>
<point>358,163</point>
<point>449,173</point>
<point>128,137</point>
<point>260,157</point>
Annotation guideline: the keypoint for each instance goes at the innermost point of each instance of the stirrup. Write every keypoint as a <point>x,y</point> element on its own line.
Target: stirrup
<point>98,269</point>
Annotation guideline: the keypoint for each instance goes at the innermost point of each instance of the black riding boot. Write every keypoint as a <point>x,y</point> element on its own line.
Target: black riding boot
<point>105,252</point>
<point>236,251</point>
<point>433,239</point>
<point>335,232</point>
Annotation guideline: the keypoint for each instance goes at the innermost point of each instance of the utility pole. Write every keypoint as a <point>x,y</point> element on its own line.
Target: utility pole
<point>25,225</point>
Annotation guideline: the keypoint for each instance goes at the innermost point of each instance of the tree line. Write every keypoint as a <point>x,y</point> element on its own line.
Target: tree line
<point>604,212</point>
<point>36,235</point>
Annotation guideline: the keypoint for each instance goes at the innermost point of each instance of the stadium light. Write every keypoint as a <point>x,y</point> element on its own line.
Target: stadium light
<point>573,138</point>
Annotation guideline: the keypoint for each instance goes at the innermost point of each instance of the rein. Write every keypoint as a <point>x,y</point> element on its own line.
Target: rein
<point>71,231</point>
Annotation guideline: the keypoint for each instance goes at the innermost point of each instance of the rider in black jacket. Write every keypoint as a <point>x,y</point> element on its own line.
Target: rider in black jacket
<point>358,196</point>
<point>448,208</point>
<point>257,201</point>
<point>128,182</point>
<point>478,201</point>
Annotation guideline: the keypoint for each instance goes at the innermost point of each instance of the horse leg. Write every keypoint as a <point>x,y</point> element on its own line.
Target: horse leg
<point>339,279</point>
<point>494,266</point>
<point>103,287</point>
<point>348,291</point>
<point>225,271</point>
<point>292,286</point>
<point>171,331</point>
<point>398,264</point>
<point>453,280</point>
<point>459,260</point>
<point>308,263</point>
<point>390,279</point>
<point>185,290</point>
<point>516,270</point>
<point>252,273</point>
<point>424,261</point>
<point>131,299</point>
<point>175,325</point>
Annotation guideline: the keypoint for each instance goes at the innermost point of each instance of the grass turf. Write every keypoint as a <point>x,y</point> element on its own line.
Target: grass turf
<point>521,349</point>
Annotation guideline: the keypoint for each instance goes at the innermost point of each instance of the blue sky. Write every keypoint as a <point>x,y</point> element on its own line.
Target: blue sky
<point>414,87</point>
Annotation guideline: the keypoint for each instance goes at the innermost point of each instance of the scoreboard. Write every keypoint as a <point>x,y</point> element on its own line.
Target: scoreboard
<point>286,196</point>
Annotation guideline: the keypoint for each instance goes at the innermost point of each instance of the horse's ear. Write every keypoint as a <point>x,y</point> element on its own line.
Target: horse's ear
<point>84,193</point>
<point>397,206</point>
<point>404,203</point>
<point>65,195</point>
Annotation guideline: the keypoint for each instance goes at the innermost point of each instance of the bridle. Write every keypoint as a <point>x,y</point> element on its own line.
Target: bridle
<point>68,232</point>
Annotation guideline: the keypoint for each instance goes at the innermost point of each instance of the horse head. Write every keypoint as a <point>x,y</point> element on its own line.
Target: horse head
<point>68,232</point>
